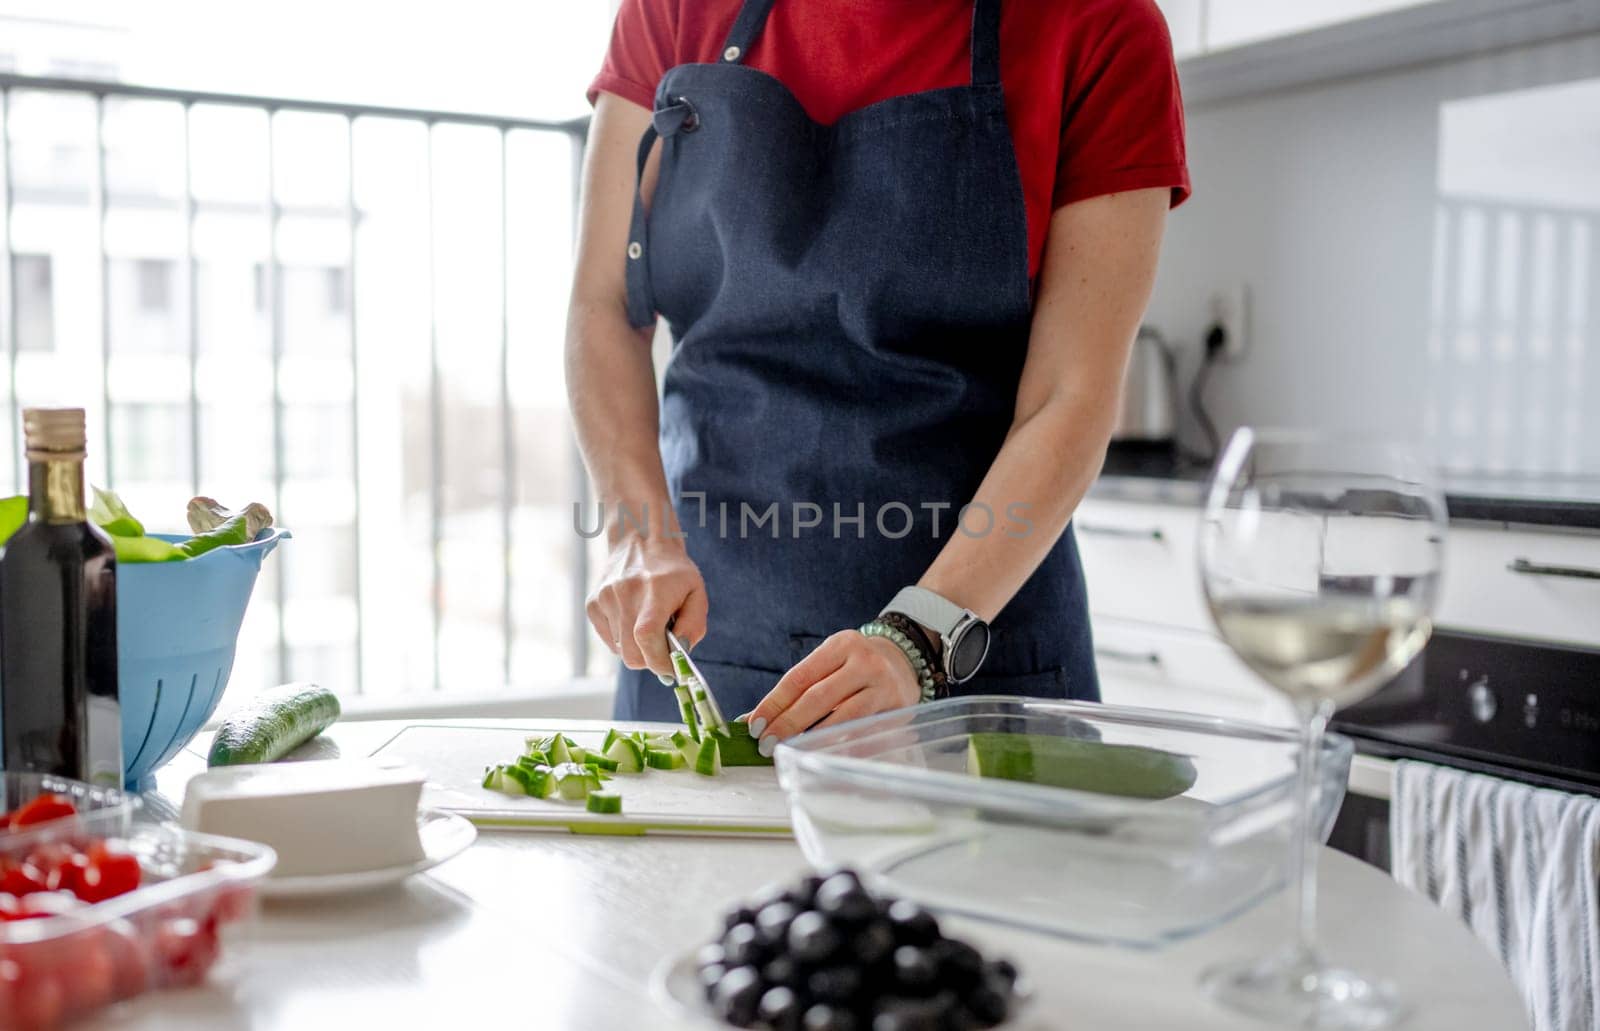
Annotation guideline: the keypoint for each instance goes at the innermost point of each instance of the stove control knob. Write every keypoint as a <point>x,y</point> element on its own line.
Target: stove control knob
<point>1481,700</point>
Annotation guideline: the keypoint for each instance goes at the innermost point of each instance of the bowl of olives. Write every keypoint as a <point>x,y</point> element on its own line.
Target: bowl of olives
<point>827,954</point>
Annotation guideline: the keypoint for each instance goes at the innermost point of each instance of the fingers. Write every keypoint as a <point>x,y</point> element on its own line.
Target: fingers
<point>690,622</point>
<point>601,623</point>
<point>650,636</point>
<point>817,701</point>
<point>863,703</point>
<point>823,660</point>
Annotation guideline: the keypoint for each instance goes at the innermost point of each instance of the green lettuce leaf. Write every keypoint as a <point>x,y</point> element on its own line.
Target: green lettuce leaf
<point>111,515</point>
<point>13,513</point>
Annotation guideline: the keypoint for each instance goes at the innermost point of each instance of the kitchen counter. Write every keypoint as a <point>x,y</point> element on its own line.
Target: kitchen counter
<point>462,946</point>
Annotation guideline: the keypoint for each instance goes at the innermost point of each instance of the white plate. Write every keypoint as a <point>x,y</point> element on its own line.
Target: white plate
<point>444,836</point>
<point>674,987</point>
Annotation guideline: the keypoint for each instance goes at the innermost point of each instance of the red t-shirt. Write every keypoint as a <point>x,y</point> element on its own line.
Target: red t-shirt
<point>1090,85</point>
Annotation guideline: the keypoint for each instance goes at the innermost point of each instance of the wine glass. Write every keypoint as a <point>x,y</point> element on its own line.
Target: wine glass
<point>1320,557</point>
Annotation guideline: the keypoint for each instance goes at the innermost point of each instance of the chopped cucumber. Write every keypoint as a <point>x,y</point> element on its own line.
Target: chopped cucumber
<point>577,753</point>
<point>601,761</point>
<point>680,663</point>
<point>611,738</point>
<point>604,802</point>
<point>574,782</point>
<point>740,749</point>
<point>558,752</point>
<point>664,759</point>
<point>628,755</point>
<point>538,757</point>
<point>708,760</point>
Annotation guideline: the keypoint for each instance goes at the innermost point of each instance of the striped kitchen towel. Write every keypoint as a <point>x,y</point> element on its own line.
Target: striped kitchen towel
<point>1521,865</point>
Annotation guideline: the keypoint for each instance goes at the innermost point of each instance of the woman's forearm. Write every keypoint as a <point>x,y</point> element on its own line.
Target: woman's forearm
<point>612,389</point>
<point>1099,268</point>
<point>611,382</point>
<point>1047,463</point>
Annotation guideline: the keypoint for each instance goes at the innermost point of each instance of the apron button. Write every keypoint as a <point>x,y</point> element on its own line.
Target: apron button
<point>634,250</point>
<point>731,54</point>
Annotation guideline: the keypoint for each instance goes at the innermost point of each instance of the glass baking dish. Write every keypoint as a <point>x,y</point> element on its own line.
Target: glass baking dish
<point>195,891</point>
<point>892,796</point>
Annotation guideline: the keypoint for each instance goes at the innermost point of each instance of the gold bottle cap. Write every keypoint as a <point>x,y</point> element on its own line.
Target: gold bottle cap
<point>53,433</point>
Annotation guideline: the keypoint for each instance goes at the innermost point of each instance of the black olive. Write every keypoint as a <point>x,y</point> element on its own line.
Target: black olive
<point>906,1015</point>
<point>779,1009</point>
<point>736,996</point>
<point>912,924</point>
<point>842,896</point>
<point>709,976</point>
<point>959,1018</point>
<point>812,938</point>
<point>834,984</point>
<point>1004,969</point>
<point>990,1003</point>
<point>960,965</point>
<point>736,916</point>
<point>742,945</point>
<point>822,1017</point>
<point>772,923</point>
<point>710,955</point>
<point>806,890</point>
<point>872,943</point>
<point>915,969</point>
<point>782,970</point>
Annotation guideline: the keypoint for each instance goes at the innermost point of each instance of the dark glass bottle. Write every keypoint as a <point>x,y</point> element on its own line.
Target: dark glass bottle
<point>59,711</point>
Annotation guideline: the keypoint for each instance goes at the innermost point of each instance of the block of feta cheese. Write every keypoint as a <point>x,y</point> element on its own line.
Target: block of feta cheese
<point>321,817</point>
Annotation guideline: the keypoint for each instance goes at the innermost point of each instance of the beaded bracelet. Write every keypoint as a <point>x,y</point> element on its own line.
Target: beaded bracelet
<point>913,651</point>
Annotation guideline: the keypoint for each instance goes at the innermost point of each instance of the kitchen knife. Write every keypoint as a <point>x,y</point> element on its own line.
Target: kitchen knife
<point>705,703</point>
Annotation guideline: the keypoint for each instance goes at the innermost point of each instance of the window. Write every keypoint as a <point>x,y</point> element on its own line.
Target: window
<point>36,302</point>
<point>155,285</point>
<point>338,291</point>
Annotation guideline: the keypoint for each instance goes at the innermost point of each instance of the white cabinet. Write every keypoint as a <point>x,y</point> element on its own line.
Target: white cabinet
<point>1231,23</point>
<point>1155,644</point>
<point>1522,583</point>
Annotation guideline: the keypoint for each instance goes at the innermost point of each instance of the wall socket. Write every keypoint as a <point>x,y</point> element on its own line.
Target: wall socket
<point>1230,309</point>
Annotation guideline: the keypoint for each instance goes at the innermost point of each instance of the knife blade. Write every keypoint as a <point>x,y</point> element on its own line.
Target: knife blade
<point>704,702</point>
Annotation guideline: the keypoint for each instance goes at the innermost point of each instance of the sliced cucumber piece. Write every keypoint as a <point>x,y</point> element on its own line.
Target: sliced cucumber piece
<point>628,755</point>
<point>611,739</point>
<point>604,802</point>
<point>1133,771</point>
<point>708,760</point>
<point>664,759</point>
<point>557,751</point>
<point>603,762</point>
<point>574,782</point>
<point>740,749</point>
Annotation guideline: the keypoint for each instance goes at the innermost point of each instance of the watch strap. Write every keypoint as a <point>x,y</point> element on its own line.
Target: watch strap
<point>937,613</point>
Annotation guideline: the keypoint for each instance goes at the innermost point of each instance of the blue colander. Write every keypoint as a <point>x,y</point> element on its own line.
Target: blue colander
<point>177,625</point>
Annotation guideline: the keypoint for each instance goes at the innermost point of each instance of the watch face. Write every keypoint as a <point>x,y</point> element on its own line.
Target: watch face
<point>967,653</point>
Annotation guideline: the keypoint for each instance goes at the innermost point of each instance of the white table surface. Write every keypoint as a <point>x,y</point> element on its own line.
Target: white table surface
<point>460,946</point>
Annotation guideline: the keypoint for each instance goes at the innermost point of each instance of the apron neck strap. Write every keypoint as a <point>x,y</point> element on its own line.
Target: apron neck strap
<point>985,37</point>
<point>746,27</point>
<point>986,42</point>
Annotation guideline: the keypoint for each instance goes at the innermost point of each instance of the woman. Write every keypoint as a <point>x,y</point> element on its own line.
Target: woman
<point>903,249</point>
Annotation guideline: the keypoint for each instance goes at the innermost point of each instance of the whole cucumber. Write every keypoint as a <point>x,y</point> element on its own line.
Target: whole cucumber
<point>273,724</point>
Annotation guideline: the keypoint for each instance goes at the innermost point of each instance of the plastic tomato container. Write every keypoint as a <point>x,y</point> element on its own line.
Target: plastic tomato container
<point>195,891</point>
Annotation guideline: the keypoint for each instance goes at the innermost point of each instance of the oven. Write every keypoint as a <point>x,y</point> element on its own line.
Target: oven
<point>1511,708</point>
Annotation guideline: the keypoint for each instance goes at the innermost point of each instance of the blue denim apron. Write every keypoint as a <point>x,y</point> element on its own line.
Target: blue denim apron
<point>849,306</point>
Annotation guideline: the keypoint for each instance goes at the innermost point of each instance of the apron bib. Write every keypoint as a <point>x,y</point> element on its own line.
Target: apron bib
<point>849,306</point>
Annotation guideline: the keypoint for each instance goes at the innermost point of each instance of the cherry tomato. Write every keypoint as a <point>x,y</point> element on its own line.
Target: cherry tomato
<point>72,875</point>
<point>41,810</point>
<point>186,950</point>
<point>90,978</point>
<point>111,872</point>
<point>233,904</point>
<point>23,879</point>
<point>133,959</point>
<point>43,904</point>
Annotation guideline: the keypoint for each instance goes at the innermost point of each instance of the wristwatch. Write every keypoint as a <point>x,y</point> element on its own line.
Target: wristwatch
<point>963,636</point>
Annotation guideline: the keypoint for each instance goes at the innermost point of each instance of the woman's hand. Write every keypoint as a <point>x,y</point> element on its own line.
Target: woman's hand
<point>648,581</point>
<point>848,676</point>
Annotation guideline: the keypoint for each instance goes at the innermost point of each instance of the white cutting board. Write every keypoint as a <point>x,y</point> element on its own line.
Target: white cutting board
<point>743,800</point>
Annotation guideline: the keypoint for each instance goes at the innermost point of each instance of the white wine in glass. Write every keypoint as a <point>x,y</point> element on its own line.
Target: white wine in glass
<point>1320,556</point>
